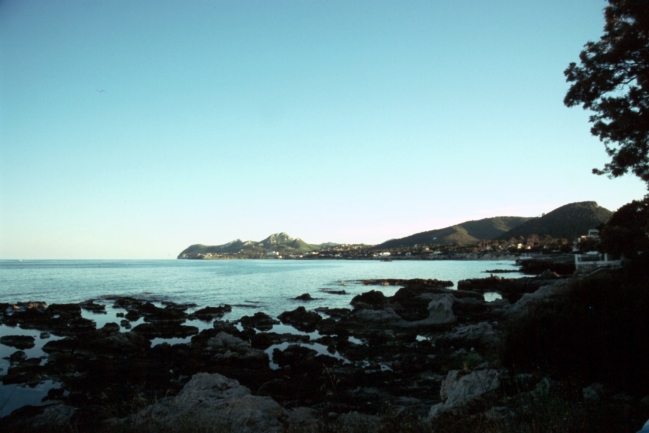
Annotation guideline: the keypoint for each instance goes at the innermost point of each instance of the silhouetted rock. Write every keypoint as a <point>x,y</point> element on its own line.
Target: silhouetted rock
<point>18,341</point>
<point>301,319</point>
<point>94,307</point>
<point>371,299</point>
<point>218,402</point>
<point>259,320</point>
<point>210,313</point>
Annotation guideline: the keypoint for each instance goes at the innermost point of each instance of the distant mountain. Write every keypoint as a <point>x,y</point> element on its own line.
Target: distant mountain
<point>568,221</point>
<point>468,232</point>
<point>280,242</point>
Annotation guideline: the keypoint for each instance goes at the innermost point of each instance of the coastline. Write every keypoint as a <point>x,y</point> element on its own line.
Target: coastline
<point>417,352</point>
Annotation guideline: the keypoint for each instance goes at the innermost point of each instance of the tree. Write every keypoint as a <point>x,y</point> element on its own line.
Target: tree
<point>612,80</point>
<point>627,232</point>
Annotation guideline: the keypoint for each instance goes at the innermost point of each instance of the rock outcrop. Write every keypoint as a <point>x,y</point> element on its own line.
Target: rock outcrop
<point>458,388</point>
<point>214,402</point>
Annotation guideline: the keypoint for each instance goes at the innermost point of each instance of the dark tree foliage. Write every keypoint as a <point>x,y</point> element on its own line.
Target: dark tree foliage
<point>612,80</point>
<point>596,332</point>
<point>627,232</point>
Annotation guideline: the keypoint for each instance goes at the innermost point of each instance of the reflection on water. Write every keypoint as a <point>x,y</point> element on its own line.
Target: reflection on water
<point>13,397</point>
<point>248,285</point>
<point>320,348</point>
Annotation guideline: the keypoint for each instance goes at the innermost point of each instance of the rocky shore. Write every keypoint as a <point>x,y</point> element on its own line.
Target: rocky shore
<point>422,355</point>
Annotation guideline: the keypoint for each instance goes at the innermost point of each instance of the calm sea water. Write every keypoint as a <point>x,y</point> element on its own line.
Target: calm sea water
<point>266,285</point>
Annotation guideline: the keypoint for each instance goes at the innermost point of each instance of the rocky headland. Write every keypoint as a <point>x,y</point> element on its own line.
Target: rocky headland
<point>420,358</point>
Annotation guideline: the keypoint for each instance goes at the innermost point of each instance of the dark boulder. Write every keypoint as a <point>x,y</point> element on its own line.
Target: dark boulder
<point>335,313</point>
<point>94,307</point>
<point>401,282</point>
<point>259,320</point>
<point>165,330</point>
<point>372,300</point>
<point>511,289</point>
<point>300,358</point>
<point>301,319</point>
<point>18,341</point>
<point>210,313</point>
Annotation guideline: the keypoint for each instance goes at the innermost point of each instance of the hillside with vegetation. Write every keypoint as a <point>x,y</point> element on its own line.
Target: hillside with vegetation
<point>279,242</point>
<point>568,221</point>
<point>469,232</point>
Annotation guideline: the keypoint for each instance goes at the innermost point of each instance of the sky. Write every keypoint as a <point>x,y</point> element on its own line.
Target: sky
<point>131,130</point>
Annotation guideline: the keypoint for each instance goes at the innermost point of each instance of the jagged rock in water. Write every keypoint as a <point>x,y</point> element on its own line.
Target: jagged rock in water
<point>210,313</point>
<point>301,319</point>
<point>371,299</point>
<point>18,341</point>
<point>92,306</point>
<point>259,320</point>
<point>380,316</point>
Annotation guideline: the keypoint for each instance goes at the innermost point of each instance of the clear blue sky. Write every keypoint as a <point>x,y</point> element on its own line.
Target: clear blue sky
<point>132,129</point>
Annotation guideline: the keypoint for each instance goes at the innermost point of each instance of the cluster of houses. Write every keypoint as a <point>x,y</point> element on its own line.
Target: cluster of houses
<point>592,260</point>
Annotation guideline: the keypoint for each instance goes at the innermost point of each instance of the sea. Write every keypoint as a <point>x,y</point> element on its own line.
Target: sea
<point>247,285</point>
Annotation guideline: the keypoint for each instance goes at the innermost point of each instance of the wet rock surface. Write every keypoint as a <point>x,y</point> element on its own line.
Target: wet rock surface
<point>511,289</point>
<point>301,319</point>
<point>424,351</point>
<point>18,341</point>
<point>259,320</point>
<point>210,313</point>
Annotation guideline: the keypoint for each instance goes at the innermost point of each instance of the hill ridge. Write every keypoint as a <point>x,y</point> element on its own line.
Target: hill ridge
<point>280,242</point>
<point>468,232</point>
<point>568,221</point>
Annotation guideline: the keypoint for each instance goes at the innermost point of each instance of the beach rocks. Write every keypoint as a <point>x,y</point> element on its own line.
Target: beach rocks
<point>303,297</point>
<point>223,339</point>
<point>482,333</point>
<point>171,313</point>
<point>260,321</point>
<point>510,288</point>
<point>264,340</point>
<point>165,330</point>
<point>373,299</point>
<point>440,312</point>
<point>300,358</point>
<point>18,341</point>
<point>106,342</point>
<point>379,316</point>
<point>301,319</point>
<point>523,304</point>
<point>213,401</point>
<point>62,319</point>
<point>94,307</point>
<point>411,282</point>
<point>333,291</point>
<point>336,313</point>
<point>458,388</point>
<point>210,313</point>
<point>23,370</point>
<point>386,354</point>
<point>17,357</point>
